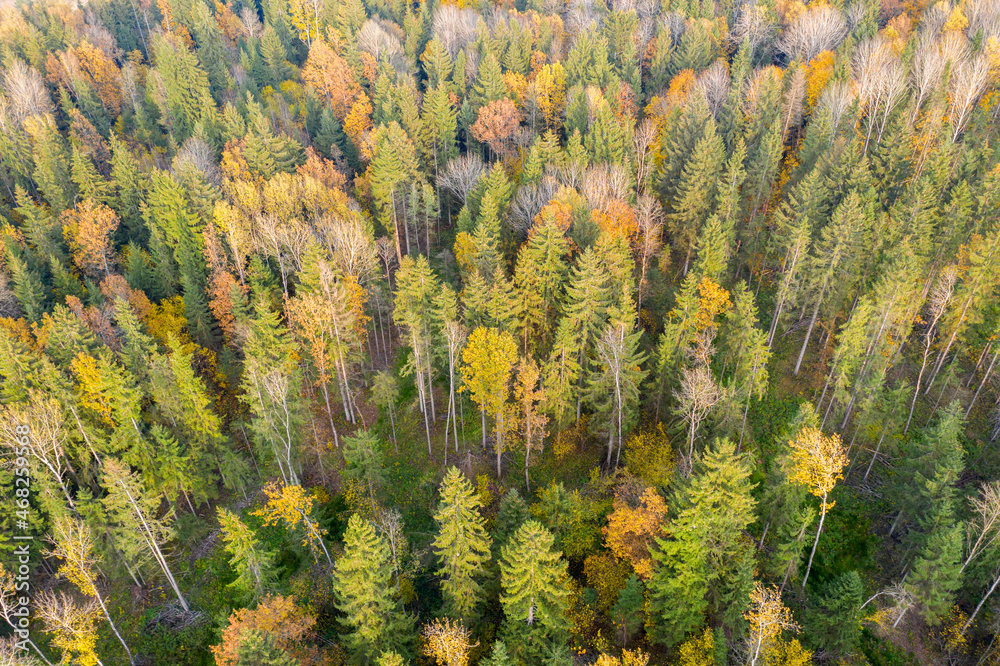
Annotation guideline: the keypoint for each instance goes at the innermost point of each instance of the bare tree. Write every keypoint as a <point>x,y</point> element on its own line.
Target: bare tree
<point>462,174</point>
<point>198,154</point>
<point>983,15</point>
<point>753,25</point>
<point>454,27</point>
<point>697,395</point>
<point>966,85</point>
<point>604,182</point>
<point>375,40</point>
<point>983,529</point>
<point>350,245</point>
<point>820,28</point>
<point>794,99</point>
<point>26,91</point>
<point>646,133</point>
<point>44,415</point>
<point>714,84</point>
<point>250,23</point>
<point>881,83</point>
<point>529,202</point>
<point>390,524</point>
<point>10,612</point>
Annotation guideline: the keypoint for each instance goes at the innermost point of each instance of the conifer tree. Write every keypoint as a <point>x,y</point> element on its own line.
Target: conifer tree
<point>462,545</point>
<point>272,384</point>
<point>254,565</point>
<point>363,593</point>
<point>696,192</point>
<point>533,574</point>
<point>540,278</point>
<point>393,164</point>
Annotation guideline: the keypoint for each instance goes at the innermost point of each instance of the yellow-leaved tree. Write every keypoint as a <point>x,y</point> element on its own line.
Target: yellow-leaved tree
<point>818,463</point>
<point>448,642</point>
<point>291,505</point>
<point>487,364</point>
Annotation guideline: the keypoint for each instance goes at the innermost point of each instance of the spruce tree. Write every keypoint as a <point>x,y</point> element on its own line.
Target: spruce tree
<point>362,577</point>
<point>533,574</point>
<point>696,193</point>
<point>462,546</point>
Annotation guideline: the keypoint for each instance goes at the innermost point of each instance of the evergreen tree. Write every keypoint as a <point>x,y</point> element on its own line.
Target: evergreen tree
<point>533,576</point>
<point>362,589</point>
<point>462,545</point>
<point>696,192</point>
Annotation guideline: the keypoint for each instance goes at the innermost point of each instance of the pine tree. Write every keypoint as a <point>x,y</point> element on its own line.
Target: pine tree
<point>439,128</point>
<point>363,593</point>
<point>462,545</point>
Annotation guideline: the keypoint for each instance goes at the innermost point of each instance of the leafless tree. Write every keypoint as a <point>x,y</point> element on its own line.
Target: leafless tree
<point>454,27</point>
<point>820,28</point>
<point>390,524</point>
<point>928,67</point>
<point>387,253</point>
<point>836,99</point>
<point>375,40</point>
<point>794,99</point>
<point>642,140</point>
<point>462,174</point>
<point>250,23</point>
<point>983,529</point>
<point>650,217</point>
<point>967,84</point>
<point>197,153</point>
<point>349,244</point>
<point>881,83</point>
<point>753,24</point>
<point>697,395</point>
<point>45,442</point>
<point>529,201</point>
<point>26,92</point>
<point>983,15</point>
<point>714,84</point>
<point>604,182</point>
<point>9,306</point>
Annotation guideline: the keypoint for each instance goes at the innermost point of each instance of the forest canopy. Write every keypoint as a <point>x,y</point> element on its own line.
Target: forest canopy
<point>514,333</point>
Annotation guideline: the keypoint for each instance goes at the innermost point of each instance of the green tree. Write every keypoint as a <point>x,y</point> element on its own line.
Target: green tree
<point>254,565</point>
<point>363,460</point>
<point>533,576</point>
<point>462,545</point>
<point>393,165</point>
<point>697,190</point>
<point>540,282</point>
<point>362,589</point>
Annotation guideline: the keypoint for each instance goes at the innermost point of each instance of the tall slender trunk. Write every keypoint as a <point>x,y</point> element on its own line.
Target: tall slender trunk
<point>968,623</point>
<point>812,325</point>
<point>989,371</point>
<point>822,517</point>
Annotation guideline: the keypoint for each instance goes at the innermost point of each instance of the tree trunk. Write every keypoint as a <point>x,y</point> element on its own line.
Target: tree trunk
<point>822,517</point>
<point>812,324</point>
